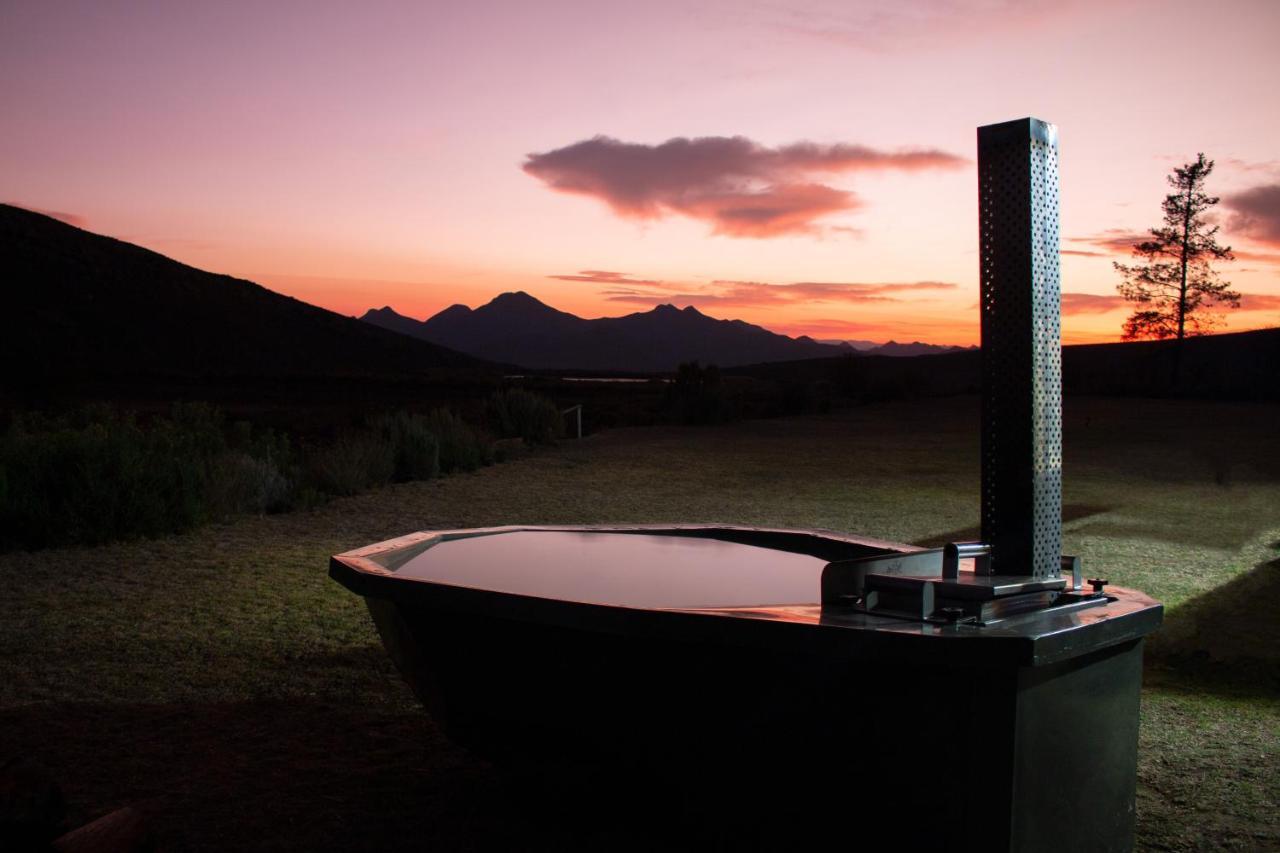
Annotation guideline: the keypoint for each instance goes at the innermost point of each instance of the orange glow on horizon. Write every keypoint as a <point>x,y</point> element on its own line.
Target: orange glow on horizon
<point>807,179</point>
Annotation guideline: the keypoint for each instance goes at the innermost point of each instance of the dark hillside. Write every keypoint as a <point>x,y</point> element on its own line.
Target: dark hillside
<point>82,306</point>
<point>1238,366</point>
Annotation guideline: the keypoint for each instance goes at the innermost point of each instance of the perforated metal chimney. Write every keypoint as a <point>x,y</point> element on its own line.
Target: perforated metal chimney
<point>1021,352</point>
<point>1018,565</point>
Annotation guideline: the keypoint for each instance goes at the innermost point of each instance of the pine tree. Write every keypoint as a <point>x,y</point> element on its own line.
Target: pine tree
<point>1176,284</point>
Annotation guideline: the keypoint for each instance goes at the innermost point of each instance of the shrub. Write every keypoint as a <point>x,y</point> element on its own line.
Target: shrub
<point>415,448</point>
<point>240,483</point>
<point>461,447</point>
<point>96,475</point>
<point>696,396</point>
<point>517,413</point>
<point>353,463</point>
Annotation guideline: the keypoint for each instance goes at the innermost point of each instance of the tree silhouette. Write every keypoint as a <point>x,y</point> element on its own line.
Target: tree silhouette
<point>1176,283</point>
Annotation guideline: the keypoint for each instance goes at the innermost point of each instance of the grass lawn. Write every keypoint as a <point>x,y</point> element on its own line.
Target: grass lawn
<point>222,683</point>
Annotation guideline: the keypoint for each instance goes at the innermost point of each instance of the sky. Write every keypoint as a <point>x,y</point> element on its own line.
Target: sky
<point>808,166</point>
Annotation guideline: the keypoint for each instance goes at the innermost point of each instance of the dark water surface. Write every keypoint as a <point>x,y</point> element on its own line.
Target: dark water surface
<point>626,569</point>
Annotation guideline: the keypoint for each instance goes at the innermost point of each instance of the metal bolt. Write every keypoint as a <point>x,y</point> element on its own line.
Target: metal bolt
<point>1098,583</point>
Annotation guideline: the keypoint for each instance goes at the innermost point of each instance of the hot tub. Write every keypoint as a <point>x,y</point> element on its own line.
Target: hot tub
<point>704,654</point>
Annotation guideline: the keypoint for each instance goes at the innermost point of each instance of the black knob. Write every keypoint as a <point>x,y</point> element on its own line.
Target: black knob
<point>1098,584</point>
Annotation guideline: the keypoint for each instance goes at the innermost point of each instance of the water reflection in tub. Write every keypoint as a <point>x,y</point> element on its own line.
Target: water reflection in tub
<point>625,569</point>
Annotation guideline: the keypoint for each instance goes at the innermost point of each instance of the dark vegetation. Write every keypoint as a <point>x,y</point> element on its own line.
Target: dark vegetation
<point>99,474</point>
<point>518,413</point>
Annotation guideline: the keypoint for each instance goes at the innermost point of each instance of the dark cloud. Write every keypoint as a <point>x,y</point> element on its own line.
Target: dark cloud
<point>604,277</point>
<point>740,294</point>
<point>742,188</point>
<point>1090,303</point>
<point>1255,213</point>
<point>1082,253</point>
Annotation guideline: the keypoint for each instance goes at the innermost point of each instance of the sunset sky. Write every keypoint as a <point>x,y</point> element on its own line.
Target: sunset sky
<point>808,166</point>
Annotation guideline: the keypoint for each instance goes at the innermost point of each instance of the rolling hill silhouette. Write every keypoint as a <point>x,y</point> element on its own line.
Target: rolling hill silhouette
<point>894,349</point>
<point>1235,366</point>
<point>518,329</point>
<point>83,306</point>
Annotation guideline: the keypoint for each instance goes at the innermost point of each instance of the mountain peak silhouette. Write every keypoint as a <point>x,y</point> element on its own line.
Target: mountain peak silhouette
<point>517,328</point>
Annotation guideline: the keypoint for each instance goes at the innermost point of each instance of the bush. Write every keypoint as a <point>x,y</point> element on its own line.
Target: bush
<point>461,447</point>
<point>355,462</point>
<point>241,483</point>
<point>96,475</point>
<point>517,413</point>
<point>415,448</point>
<point>696,396</point>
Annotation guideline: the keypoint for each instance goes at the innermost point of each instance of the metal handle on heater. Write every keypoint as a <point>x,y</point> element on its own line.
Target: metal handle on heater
<point>954,552</point>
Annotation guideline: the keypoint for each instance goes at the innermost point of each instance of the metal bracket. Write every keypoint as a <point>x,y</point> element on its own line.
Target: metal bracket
<point>929,586</point>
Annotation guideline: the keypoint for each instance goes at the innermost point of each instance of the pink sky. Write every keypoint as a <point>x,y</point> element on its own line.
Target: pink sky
<point>806,166</point>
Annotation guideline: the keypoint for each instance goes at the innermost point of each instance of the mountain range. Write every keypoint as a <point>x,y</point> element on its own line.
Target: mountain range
<point>88,317</point>
<point>516,328</point>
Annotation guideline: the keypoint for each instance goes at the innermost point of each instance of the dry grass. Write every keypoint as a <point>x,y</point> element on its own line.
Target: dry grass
<point>222,681</point>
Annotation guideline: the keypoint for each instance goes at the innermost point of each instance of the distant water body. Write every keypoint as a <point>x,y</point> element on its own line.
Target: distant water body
<point>590,378</point>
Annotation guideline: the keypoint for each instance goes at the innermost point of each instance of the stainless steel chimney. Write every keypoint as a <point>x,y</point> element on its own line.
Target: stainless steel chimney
<point>1021,351</point>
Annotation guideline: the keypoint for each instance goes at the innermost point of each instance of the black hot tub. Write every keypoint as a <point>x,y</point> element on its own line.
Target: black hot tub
<point>703,653</point>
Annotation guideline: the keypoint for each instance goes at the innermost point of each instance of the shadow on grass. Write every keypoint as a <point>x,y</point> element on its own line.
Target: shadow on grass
<point>313,776</point>
<point>1226,640</point>
<point>1070,512</point>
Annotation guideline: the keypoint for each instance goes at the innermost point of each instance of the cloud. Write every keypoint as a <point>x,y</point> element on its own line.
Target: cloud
<point>1119,242</point>
<point>1112,241</point>
<point>1259,302</point>
<point>1090,303</point>
<point>1256,213</point>
<point>962,329</point>
<point>755,294</point>
<point>1259,257</point>
<point>190,244</point>
<point>1266,167</point>
<point>892,24</point>
<point>1094,303</point>
<point>605,277</point>
<point>742,188</point>
<point>69,218</point>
